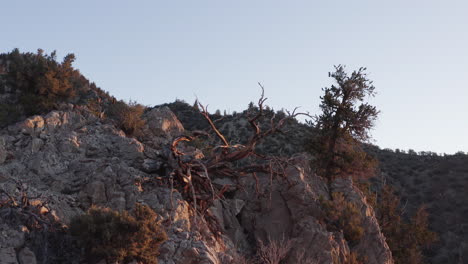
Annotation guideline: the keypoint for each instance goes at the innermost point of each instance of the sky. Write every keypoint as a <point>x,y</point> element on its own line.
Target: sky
<point>153,52</point>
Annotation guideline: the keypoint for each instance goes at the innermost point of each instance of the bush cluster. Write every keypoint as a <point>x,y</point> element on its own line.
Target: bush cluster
<point>37,83</point>
<point>119,236</point>
<point>341,215</point>
<point>42,80</point>
<point>9,113</point>
<point>407,238</point>
<point>128,117</point>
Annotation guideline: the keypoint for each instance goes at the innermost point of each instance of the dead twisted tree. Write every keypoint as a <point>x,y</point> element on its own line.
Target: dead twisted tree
<point>194,174</point>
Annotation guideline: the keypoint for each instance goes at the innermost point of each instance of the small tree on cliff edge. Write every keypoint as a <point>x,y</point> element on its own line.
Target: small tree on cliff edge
<point>343,125</point>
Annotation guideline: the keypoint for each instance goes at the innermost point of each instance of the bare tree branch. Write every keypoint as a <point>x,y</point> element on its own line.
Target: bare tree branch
<point>213,126</point>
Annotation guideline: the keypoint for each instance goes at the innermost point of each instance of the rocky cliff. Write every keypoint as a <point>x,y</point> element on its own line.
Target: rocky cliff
<point>61,163</point>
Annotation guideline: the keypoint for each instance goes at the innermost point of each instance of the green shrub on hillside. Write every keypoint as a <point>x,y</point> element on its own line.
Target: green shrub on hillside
<point>341,215</point>
<point>37,83</point>
<point>42,80</point>
<point>407,238</point>
<point>119,236</point>
<point>9,113</point>
<point>128,117</point>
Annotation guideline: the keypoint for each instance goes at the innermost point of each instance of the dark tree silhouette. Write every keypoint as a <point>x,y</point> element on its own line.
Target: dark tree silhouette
<point>343,125</point>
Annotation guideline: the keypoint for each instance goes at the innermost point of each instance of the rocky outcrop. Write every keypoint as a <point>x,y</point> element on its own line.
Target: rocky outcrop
<point>8,255</point>
<point>73,160</point>
<point>161,120</point>
<point>161,127</point>
<point>372,245</point>
<point>288,208</point>
<point>70,160</point>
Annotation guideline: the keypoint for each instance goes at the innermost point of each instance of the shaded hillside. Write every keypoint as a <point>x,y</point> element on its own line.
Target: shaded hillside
<point>440,183</point>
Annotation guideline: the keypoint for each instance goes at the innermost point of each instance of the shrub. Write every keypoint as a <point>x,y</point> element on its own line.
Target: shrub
<point>41,79</point>
<point>354,258</point>
<point>94,107</point>
<point>343,215</point>
<point>238,258</point>
<point>127,116</point>
<point>274,251</point>
<point>119,236</point>
<point>407,238</point>
<point>38,83</point>
<point>9,113</point>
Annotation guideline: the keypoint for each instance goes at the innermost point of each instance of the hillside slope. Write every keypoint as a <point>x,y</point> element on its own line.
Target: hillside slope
<point>439,183</point>
<point>63,152</point>
<point>80,174</point>
<point>69,159</point>
<point>436,182</point>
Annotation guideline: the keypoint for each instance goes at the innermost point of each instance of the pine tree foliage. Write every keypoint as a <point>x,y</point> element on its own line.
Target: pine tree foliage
<point>343,125</point>
<point>42,80</point>
<point>343,216</point>
<point>119,236</point>
<point>37,82</point>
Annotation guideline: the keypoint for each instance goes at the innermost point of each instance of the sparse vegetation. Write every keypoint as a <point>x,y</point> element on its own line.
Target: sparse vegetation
<point>42,80</point>
<point>128,117</point>
<point>119,236</point>
<point>42,83</point>
<point>9,113</point>
<point>342,215</point>
<point>274,251</point>
<point>36,83</point>
<point>440,185</point>
<point>407,238</point>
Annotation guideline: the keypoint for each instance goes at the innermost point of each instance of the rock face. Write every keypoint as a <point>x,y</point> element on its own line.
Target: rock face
<point>289,207</point>
<point>73,160</point>
<point>162,122</point>
<point>8,256</point>
<point>26,256</point>
<point>280,209</point>
<point>373,244</point>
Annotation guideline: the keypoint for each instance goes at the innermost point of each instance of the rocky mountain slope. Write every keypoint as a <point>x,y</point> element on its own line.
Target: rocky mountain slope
<point>67,147</point>
<point>436,182</point>
<point>67,160</point>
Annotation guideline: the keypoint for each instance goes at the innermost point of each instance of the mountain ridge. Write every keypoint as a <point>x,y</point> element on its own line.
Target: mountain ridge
<point>88,149</point>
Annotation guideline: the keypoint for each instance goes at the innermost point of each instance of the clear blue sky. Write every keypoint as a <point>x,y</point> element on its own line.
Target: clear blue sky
<point>156,51</point>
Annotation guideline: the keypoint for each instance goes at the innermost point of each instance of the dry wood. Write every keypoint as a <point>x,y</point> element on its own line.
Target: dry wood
<point>194,174</point>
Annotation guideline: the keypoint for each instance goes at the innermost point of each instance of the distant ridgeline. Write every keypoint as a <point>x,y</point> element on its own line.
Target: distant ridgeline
<point>35,83</point>
<point>439,183</point>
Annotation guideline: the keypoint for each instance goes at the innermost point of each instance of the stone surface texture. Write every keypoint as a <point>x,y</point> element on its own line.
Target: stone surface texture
<point>74,160</point>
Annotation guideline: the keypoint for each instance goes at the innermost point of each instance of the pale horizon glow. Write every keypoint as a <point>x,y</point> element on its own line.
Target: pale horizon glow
<point>153,52</point>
